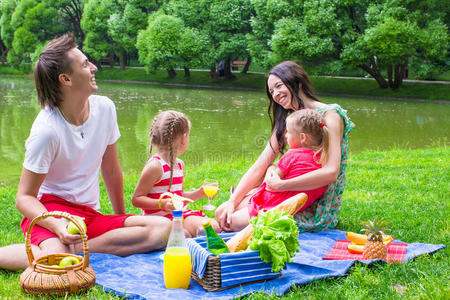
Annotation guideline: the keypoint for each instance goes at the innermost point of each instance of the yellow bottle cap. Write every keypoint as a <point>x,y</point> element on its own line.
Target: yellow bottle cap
<point>206,223</point>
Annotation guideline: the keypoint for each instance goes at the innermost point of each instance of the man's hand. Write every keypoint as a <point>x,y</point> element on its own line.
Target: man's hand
<point>60,229</point>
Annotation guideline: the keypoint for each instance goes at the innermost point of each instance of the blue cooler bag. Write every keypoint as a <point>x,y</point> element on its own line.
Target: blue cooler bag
<point>227,270</point>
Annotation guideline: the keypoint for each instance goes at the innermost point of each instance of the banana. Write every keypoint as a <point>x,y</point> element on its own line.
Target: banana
<point>361,239</point>
<point>176,199</point>
<point>358,239</point>
<point>355,249</point>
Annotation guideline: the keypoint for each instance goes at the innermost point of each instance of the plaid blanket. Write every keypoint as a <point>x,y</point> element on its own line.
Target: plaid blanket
<point>395,252</point>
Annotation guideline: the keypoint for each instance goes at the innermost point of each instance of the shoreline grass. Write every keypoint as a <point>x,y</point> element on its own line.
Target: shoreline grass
<point>323,85</point>
<point>408,187</point>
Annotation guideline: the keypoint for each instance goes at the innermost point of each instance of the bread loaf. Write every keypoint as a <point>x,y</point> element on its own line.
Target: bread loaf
<point>291,205</point>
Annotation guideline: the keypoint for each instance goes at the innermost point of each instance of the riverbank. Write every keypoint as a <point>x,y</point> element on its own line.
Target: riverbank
<point>256,81</point>
<point>407,187</point>
<point>324,85</point>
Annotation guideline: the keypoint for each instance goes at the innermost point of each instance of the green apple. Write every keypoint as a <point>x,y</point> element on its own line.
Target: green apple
<point>68,261</point>
<point>73,229</point>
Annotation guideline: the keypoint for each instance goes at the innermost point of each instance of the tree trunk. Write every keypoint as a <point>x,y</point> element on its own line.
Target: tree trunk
<point>122,62</point>
<point>398,76</point>
<point>187,72</point>
<point>247,65</point>
<point>4,53</point>
<point>111,61</point>
<point>375,72</point>
<point>213,72</point>
<point>171,72</point>
<point>227,69</point>
<point>389,71</point>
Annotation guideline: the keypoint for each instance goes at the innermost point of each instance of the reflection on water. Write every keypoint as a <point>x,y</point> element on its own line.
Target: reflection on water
<point>225,124</point>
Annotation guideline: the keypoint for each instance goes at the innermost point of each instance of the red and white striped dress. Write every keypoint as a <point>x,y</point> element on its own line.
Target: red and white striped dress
<point>163,186</point>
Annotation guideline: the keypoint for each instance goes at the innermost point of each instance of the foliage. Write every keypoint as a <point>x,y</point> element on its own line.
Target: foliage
<point>224,23</point>
<point>394,33</point>
<point>158,44</point>
<point>386,39</point>
<point>95,25</point>
<point>7,31</point>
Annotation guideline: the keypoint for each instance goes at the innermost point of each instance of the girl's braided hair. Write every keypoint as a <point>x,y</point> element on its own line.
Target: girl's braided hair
<point>312,123</point>
<point>166,127</point>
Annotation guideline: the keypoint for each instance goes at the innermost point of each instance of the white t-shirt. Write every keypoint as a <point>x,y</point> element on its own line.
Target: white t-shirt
<point>71,155</point>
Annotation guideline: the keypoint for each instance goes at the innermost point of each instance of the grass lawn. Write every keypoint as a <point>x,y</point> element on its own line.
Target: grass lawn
<point>408,187</point>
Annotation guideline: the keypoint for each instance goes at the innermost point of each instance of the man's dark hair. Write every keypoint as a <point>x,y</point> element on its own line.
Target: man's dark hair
<point>52,62</point>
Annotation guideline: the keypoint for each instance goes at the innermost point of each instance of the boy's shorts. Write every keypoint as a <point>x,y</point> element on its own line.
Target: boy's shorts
<point>96,223</point>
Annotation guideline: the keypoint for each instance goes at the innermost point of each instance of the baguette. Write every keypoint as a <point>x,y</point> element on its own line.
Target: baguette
<point>291,205</point>
<point>240,240</point>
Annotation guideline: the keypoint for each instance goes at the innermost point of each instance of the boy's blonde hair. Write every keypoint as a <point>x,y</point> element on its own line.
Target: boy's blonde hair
<point>312,123</point>
<point>166,127</point>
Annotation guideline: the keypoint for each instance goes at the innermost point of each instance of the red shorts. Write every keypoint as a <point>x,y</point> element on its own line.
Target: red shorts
<point>96,223</point>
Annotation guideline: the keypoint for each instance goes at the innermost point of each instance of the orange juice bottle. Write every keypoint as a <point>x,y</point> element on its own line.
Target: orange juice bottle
<point>177,259</point>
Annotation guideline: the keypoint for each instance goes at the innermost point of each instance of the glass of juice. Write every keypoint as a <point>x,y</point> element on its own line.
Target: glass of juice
<point>210,187</point>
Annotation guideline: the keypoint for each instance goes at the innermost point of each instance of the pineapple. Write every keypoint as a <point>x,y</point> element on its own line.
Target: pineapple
<point>375,248</point>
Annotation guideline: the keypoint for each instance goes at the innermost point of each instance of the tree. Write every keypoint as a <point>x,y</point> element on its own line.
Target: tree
<point>395,33</point>
<point>33,23</point>
<point>158,44</point>
<point>229,23</point>
<point>379,36</point>
<point>225,23</point>
<point>71,12</point>
<point>94,23</point>
<point>7,8</point>
<point>192,49</point>
<point>124,25</point>
<point>112,26</point>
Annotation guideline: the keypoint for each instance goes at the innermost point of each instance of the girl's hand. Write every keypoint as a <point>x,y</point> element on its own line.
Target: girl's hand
<point>273,182</point>
<point>167,204</point>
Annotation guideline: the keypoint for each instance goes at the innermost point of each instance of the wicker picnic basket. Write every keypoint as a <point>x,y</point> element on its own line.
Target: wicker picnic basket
<point>212,278</point>
<point>212,281</point>
<point>42,278</point>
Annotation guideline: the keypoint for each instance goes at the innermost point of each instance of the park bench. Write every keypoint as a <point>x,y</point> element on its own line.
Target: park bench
<point>237,63</point>
<point>109,60</point>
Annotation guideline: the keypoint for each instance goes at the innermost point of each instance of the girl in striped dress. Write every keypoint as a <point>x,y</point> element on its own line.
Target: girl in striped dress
<point>164,172</point>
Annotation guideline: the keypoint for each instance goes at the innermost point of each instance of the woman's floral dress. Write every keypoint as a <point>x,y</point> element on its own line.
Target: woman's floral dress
<point>323,213</point>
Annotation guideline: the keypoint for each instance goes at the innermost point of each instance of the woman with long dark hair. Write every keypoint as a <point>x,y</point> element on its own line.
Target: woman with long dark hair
<point>289,89</point>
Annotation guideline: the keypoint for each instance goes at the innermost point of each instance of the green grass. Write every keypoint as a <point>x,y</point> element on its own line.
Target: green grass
<point>411,188</point>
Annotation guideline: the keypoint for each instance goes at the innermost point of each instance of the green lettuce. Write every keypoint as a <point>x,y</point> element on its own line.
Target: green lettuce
<point>275,237</point>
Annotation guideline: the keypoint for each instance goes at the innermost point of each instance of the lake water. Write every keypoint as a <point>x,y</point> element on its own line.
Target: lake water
<point>225,123</point>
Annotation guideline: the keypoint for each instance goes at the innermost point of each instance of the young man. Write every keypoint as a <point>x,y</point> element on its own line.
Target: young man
<point>72,138</point>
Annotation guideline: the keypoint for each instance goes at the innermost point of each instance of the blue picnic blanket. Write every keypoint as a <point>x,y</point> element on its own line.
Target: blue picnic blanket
<point>140,276</point>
